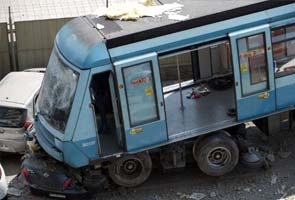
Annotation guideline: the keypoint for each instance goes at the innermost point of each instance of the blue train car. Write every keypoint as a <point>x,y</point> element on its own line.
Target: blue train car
<point>115,91</point>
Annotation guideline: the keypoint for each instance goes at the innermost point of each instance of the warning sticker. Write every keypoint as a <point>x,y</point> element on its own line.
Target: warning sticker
<point>141,80</point>
<point>148,90</point>
<point>244,67</point>
<point>252,53</point>
<point>135,131</point>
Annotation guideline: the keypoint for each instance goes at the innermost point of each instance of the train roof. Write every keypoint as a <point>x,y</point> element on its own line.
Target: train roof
<point>85,45</point>
<point>200,12</point>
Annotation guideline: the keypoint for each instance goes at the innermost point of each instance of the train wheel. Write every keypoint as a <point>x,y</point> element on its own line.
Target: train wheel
<point>216,155</point>
<point>131,170</point>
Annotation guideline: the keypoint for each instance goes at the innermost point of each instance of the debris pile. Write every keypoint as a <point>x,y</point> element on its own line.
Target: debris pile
<point>132,11</point>
<point>198,92</point>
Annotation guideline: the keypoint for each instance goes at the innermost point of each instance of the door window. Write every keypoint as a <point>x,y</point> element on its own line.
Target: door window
<point>140,94</point>
<point>253,64</point>
<point>283,40</point>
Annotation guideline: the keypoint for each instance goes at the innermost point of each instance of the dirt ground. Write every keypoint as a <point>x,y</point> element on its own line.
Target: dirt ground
<point>277,182</point>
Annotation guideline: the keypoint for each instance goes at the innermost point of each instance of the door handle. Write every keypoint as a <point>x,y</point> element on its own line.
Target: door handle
<point>264,95</point>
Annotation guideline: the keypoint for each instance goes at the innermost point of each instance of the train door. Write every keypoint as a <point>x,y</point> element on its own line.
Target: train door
<point>253,72</point>
<point>283,44</point>
<point>141,101</point>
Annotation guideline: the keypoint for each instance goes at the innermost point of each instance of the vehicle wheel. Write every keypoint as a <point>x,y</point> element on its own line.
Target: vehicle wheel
<point>131,170</point>
<point>216,155</point>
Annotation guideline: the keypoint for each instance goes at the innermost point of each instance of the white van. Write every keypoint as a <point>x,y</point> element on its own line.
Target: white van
<point>17,92</point>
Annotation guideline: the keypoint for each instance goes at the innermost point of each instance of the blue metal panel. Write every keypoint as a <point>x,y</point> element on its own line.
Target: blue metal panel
<point>260,102</point>
<point>150,133</point>
<point>250,107</point>
<point>285,91</point>
<point>202,34</point>
<point>73,156</point>
<point>77,104</point>
<point>47,140</point>
<point>85,132</point>
<point>81,45</point>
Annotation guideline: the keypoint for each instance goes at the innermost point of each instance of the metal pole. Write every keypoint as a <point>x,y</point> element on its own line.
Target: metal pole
<point>179,81</point>
<point>12,49</point>
<point>107,3</point>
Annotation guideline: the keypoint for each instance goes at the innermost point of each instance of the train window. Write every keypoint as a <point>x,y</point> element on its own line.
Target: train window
<point>253,57</point>
<point>169,71</point>
<point>283,40</point>
<point>140,94</point>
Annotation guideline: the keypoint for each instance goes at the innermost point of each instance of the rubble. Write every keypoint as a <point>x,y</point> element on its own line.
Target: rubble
<point>14,192</point>
<point>274,179</point>
<point>197,196</point>
<point>131,11</point>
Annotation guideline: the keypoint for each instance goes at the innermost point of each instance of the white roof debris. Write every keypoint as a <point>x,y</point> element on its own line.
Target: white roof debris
<point>147,8</point>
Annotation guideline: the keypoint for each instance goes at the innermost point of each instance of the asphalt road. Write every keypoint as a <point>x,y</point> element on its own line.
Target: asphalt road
<point>277,182</point>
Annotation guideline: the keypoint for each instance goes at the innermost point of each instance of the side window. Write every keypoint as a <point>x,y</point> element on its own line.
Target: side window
<point>197,64</point>
<point>252,56</point>
<point>283,42</point>
<point>140,94</point>
<point>169,71</point>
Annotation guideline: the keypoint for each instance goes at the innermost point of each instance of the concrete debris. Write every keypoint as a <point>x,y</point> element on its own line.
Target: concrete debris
<point>99,26</point>
<point>247,189</point>
<point>197,196</point>
<point>282,190</point>
<point>178,17</point>
<point>274,179</point>
<point>131,11</point>
<point>182,195</point>
<point>193,196</point>
<point>213,194</point>
<point>33,145</point>
<point>148,2</point>
<point>14,192</point>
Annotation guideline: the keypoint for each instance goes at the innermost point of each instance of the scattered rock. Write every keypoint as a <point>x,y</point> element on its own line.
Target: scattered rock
<point>14,192</point>
<point>274,179</point>
<point>247,189</point>
<point>182,195</point>
<point>271,157</point>
<point>213,194</point>
<point>260,190</point>
<point>197,196</point>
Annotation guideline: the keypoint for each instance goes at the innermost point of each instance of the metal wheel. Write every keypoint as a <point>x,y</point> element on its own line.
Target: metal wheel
<point>219,157</point>
<point>131,170</point>
<point>217,154</point>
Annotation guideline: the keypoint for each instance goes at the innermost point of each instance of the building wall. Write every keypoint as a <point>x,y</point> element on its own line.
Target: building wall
<point>4,51</point>
<point>35,41</point>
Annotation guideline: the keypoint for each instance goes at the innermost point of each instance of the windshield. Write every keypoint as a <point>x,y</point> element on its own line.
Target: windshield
<point>57,92</point>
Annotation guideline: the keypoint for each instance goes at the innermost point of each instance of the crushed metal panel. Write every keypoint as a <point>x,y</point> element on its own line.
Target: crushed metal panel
<point>35,41</point>
<point>4,51</point>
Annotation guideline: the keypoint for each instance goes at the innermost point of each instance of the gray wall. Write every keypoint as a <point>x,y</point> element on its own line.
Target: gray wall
<point>35,40</point>
<point>4,51</point>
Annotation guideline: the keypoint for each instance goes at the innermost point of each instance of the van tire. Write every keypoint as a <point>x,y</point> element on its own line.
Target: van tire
<point>217,154</point>
<point>131,170</point>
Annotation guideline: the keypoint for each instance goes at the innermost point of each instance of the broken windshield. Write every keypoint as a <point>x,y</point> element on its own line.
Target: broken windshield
<point>57,92</point>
